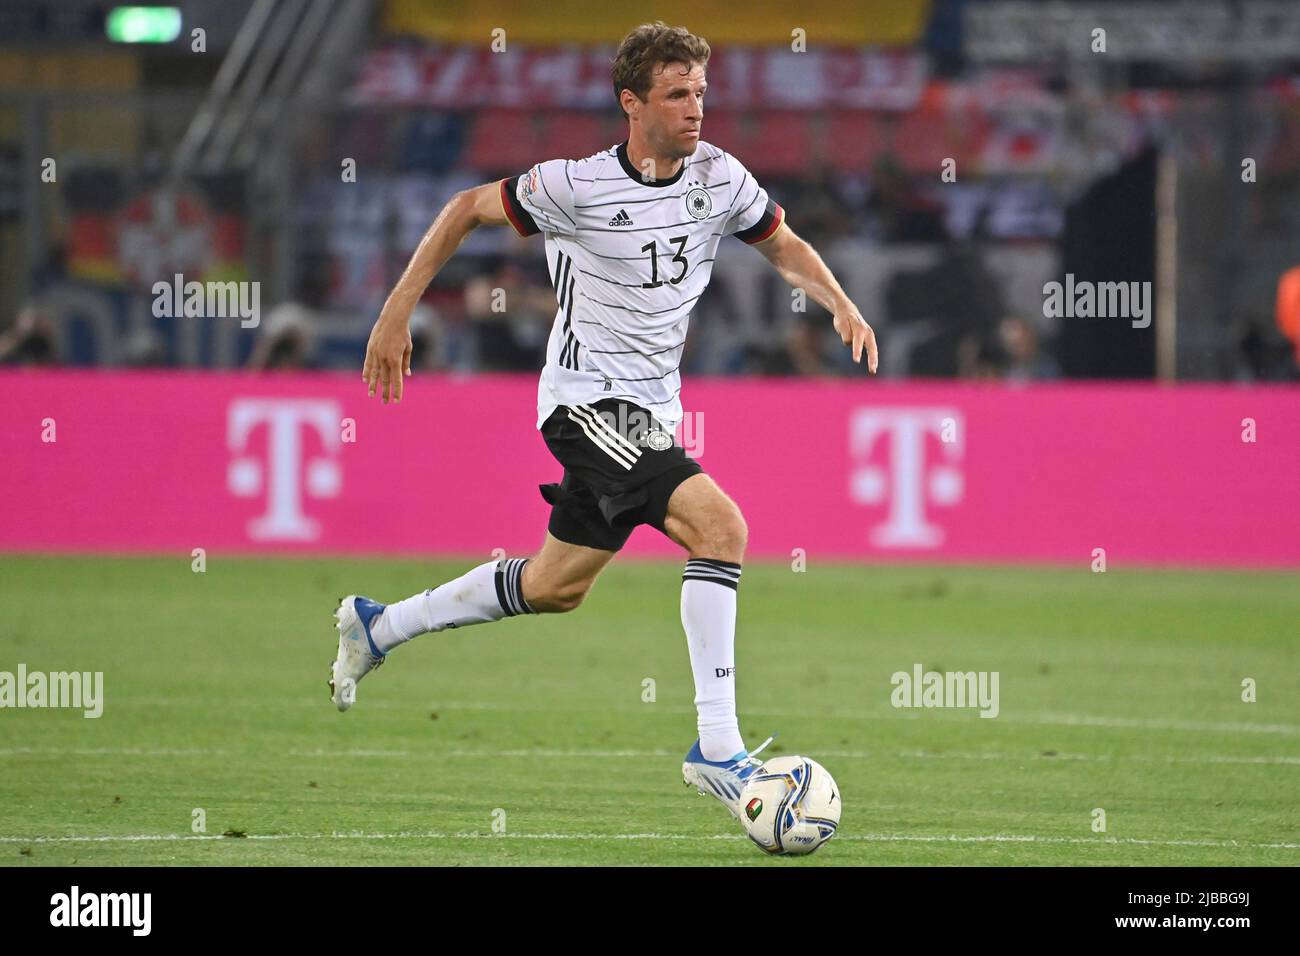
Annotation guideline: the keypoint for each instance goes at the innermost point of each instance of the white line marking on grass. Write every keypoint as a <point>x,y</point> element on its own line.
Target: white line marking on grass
<point>432,835</point>
<point>354,752</point>
<point>1047,719</point>
<point>559,754</point>
<point>1027,838</point>
<point>868,755</point>
<point>1102,758</point>
<point>111,752</point>
<point>1143,723</point>
<point>597,754</point>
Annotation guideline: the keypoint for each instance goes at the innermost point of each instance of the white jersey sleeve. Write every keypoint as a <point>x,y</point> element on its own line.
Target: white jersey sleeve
<point>541,200</point>
<point>753,215</point>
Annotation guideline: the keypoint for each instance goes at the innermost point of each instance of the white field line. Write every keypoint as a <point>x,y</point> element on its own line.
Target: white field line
<point>1100,758</point>
<point>962,715</point>
<point>680,837</point>
<point>560,754</point>
<point>916,754</point>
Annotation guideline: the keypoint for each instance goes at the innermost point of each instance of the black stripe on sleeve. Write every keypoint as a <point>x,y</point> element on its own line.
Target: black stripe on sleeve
<point>519,217</point>
<point>765,225</point>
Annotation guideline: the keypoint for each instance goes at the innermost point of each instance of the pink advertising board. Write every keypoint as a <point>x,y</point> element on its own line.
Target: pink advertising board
<point>105,461</point>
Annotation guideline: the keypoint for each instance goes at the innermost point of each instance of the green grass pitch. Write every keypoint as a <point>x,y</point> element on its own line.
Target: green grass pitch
<point>1118,691</point>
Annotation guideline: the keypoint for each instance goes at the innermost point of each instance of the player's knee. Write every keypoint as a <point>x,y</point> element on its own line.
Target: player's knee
<point>568,599</point>
<point>737,538</point>
<point>559,599</point>
<point>727,538</point>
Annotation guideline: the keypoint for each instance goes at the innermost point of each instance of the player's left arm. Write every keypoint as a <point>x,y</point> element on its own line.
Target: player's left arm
<point>801,266</point>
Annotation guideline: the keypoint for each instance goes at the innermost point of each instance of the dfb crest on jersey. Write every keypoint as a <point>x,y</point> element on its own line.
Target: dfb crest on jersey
<point>528,184</point>
<point>698,203</point>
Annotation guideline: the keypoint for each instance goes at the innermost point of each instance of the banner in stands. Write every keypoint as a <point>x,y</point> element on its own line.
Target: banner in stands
<point>826,22</point>
<point>473,77</point>
<point>168,462</point>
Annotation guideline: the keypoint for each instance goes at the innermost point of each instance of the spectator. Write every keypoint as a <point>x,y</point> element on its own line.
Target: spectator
<point>428,339</point>
<point>144,349</point>
<point>902,212</point>
<point>1024,359</point>
<point>287,338</point>
<point>1288,308</point>
<point>30,341</point>
<point>511,313</point>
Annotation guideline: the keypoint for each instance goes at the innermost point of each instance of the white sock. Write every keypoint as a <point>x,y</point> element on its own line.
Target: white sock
<point>709,618</point>
<point>487,593</point>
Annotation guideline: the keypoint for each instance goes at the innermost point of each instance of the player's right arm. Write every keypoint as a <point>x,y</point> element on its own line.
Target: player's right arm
<point>388,352</point>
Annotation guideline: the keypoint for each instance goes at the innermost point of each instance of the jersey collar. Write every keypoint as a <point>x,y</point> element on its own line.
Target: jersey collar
<point>635,174</point>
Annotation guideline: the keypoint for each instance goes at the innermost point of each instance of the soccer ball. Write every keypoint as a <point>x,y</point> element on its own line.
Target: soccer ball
<point>790,806</point>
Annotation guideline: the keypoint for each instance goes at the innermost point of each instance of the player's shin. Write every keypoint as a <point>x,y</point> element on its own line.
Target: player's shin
<point>709,589</point>
<point>486,593</point>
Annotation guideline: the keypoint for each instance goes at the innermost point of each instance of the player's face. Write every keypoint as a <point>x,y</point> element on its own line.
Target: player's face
<point>674,110</point>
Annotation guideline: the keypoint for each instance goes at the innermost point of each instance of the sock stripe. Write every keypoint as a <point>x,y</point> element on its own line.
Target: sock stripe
<point>709,573</point>
<point>716,562</point>
<point>726,573</point>
<point>510,586</point>
<point>517,589</point>
<point>516,592</point>
<point>501,588</point>
<point>725,582</point>
<point>713,572</point>
<point>708,564</point>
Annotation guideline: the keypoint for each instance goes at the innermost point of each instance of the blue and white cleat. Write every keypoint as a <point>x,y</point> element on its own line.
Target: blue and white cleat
<point>723,779</point>
<point>358,655</point>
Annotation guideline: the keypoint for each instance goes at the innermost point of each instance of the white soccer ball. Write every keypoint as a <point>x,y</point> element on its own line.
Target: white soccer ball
<point>790,806</point>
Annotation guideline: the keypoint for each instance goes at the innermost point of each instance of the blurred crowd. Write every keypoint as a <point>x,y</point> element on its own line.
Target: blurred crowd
<point>950,275</point>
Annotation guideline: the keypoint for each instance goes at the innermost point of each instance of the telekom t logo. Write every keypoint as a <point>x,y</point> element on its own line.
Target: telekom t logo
<point>281,474</point>
<point>907,481</point>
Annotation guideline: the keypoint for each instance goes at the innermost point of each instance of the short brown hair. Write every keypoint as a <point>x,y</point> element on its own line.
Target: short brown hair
<point>645,48</point>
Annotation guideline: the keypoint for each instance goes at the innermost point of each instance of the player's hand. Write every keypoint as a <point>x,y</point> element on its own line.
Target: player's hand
<point>388,358</point>
<point>853,330</point>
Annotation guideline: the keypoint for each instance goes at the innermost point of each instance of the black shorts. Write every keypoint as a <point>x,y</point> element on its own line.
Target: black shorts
<point>620,468</point>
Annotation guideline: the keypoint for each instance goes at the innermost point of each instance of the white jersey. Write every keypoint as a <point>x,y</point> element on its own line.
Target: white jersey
<point>629,259</point>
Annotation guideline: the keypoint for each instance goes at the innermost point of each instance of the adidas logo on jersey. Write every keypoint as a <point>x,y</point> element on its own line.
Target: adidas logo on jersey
<point>621,219</point>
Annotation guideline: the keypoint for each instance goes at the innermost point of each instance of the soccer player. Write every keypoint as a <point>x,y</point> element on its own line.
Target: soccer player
<point>631,234</point>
